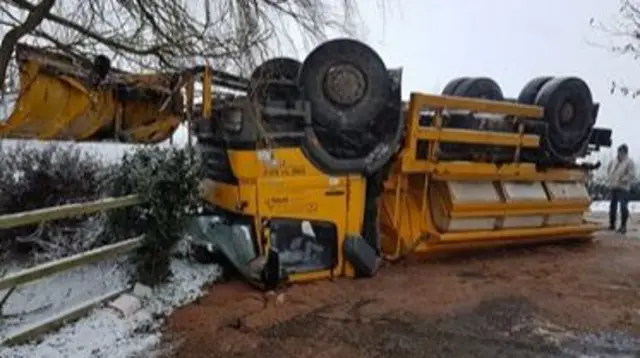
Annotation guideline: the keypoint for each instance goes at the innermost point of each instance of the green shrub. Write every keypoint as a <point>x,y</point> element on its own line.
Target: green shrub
<point>167,181</point>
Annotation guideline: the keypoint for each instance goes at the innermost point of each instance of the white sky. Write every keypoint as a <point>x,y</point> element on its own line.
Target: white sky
<point>510,41</point>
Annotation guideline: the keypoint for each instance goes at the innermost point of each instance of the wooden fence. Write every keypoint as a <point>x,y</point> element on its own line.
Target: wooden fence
<point>11,281</point>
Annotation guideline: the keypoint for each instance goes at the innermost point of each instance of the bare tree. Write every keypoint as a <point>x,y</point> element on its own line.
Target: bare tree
<point>166,34</point>
<point>623,38</point>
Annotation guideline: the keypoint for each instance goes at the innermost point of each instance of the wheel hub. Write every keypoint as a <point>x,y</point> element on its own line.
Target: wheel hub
<point>344,84</point>
<point>567,113</point>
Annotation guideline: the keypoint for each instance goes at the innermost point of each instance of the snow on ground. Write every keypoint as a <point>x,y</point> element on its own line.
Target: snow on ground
<point>102,333</point>
<point>41,299</point>
<point>603,206</point>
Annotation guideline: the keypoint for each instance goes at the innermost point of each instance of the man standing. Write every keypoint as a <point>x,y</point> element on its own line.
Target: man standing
<point>621,175</point>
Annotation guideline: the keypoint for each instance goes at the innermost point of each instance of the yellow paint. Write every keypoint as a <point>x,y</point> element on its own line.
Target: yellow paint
<point>415,196</point>
<point>284,184</point>
<point>64,107</point>
<point>281,182</point>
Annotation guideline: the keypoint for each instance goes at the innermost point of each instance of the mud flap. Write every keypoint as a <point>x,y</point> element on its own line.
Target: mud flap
<point>362,256</point>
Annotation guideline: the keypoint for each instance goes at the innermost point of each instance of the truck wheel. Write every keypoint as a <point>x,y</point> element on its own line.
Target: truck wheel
<point>279,68</point>
<point>479,87</point>
<point>568,111</point>
<point>347,84</point>
<point>530,91</point>
<point>451,87</point>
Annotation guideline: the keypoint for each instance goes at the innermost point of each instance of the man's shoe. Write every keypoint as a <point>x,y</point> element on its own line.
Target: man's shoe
<point>622,230</point>
<point>612,228</point>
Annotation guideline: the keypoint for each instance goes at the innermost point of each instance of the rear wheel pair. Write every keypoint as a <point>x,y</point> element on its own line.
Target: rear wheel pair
<point>568,105</point>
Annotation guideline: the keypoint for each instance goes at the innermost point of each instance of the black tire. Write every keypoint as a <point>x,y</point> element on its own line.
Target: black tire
<point>566,138</point>
<point>342,110</point>
<point>451,87</point>
<point>528,95</point>
<point>530,90</point>
<point>279,68</point>
<point>479,87</point>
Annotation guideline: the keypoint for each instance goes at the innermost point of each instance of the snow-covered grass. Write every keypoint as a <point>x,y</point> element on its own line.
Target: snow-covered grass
<point>603,206</point>
<point>102,333</point>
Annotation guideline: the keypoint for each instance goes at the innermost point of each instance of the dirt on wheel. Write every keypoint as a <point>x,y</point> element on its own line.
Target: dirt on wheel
<point>550,301</point>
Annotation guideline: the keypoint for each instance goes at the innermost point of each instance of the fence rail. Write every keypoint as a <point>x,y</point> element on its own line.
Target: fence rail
<point>25,218</point>
<point>59,319</point>
<point>11,281</point>
<point>51,268</point>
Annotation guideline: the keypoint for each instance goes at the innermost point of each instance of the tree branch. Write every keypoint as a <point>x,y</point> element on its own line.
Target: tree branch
<point>9,41</point>
<point>170,34</point>
<point>25,5</point>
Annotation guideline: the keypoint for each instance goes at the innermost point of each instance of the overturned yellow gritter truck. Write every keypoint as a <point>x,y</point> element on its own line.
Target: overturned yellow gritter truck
<point>321,170</point>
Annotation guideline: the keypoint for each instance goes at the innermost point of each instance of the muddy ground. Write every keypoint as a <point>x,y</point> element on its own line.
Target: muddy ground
<point>550,301</point>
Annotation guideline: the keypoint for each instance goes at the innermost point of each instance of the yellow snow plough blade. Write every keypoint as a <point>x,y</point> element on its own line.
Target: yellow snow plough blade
<point>60,99</point>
